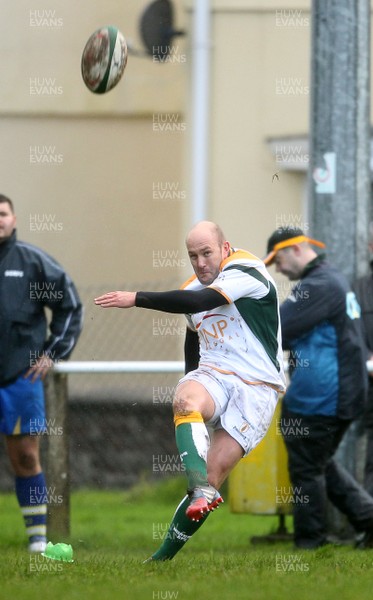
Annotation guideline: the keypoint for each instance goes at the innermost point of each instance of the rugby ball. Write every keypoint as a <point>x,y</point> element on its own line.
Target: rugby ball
<point>104,59</point>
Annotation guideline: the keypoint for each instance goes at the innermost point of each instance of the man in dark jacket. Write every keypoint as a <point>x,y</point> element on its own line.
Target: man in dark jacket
<point>364,292</point>
<point>30,281</point>
<point>320,324</point>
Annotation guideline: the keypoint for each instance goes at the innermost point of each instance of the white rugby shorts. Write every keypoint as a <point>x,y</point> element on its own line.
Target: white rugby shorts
<point>244,410</point>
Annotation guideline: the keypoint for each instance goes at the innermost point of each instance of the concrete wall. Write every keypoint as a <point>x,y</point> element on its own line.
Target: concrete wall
<point>86,162</point>
<point>259,89</point>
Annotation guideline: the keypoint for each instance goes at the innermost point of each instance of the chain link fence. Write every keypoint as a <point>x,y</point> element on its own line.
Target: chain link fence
<point>120,426</point>
<point>133,334</point>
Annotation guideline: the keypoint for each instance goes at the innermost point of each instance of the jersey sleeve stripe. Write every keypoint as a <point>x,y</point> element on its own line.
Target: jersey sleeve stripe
<point>239,255</point>
<point>217,289</point>
<point>187,282</point>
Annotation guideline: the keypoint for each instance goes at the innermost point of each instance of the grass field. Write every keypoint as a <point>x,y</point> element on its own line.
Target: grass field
<point>113,532</point>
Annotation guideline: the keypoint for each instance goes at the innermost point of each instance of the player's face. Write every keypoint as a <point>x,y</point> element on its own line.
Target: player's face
<point>288,264</point>
<point>7,221</point>
<point>206,255</point>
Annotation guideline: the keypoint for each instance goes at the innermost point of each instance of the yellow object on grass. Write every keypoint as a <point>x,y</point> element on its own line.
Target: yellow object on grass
<point>260,484</point>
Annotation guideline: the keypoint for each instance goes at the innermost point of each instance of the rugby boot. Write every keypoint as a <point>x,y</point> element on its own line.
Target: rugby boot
<point>203,500</point>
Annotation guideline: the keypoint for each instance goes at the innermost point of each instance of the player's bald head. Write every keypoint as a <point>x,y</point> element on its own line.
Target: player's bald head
<point>205,230</point>
<point>207,248</point>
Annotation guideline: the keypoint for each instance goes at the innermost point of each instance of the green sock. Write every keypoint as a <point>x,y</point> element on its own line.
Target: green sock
<point>179,532</point>
<point>192,440</point>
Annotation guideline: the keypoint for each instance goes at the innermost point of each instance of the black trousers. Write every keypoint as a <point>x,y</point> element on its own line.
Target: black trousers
<point>368,476</point>
<point>311,442</point>
<point>368,422</point>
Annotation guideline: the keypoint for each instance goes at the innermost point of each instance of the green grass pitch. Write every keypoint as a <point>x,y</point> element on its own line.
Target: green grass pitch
<point>112,532</point>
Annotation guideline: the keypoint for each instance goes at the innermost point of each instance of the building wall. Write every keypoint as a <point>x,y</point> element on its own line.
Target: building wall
<point>89,163</point>
<point>259,88</point>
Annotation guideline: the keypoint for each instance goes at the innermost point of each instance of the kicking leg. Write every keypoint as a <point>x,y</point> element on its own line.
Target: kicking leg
<point>222,456</point>
<point>193,405</point>
<point>225,452</point>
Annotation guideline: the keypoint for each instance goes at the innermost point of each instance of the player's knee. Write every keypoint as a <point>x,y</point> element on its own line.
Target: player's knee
<point>185,403</point>
<point>182,406</point>
<point>27,461</point>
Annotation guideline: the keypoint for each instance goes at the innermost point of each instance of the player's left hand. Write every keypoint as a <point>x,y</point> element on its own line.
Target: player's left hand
<point>116,300</point>
<point>40,368</point>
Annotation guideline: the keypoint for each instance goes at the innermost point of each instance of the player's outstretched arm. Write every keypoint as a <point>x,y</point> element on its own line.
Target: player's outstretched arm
<point>116,300</point>
<point>174,301</point>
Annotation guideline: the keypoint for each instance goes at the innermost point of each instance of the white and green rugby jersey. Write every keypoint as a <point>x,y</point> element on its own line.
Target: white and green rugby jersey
<point>243,337</point>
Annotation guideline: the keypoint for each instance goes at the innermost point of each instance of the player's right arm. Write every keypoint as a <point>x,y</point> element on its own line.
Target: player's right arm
<point>116,300</point>
<point>174,301</point>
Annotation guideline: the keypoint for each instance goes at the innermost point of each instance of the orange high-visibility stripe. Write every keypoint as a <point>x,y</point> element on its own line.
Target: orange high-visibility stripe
<point>299,239</point>
<point>192,417</point>
<point>237,255</point>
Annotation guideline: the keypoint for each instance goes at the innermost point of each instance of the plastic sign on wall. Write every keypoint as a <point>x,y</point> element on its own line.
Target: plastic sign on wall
<point>325,177</point>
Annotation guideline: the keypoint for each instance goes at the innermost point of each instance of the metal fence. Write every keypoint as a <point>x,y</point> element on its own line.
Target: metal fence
<point>109,412</point>
<point>127,335</point>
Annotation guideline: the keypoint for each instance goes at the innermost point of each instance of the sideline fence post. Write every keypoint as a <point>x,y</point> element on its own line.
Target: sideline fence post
<point>339,171</point>
<point>57,456</point>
